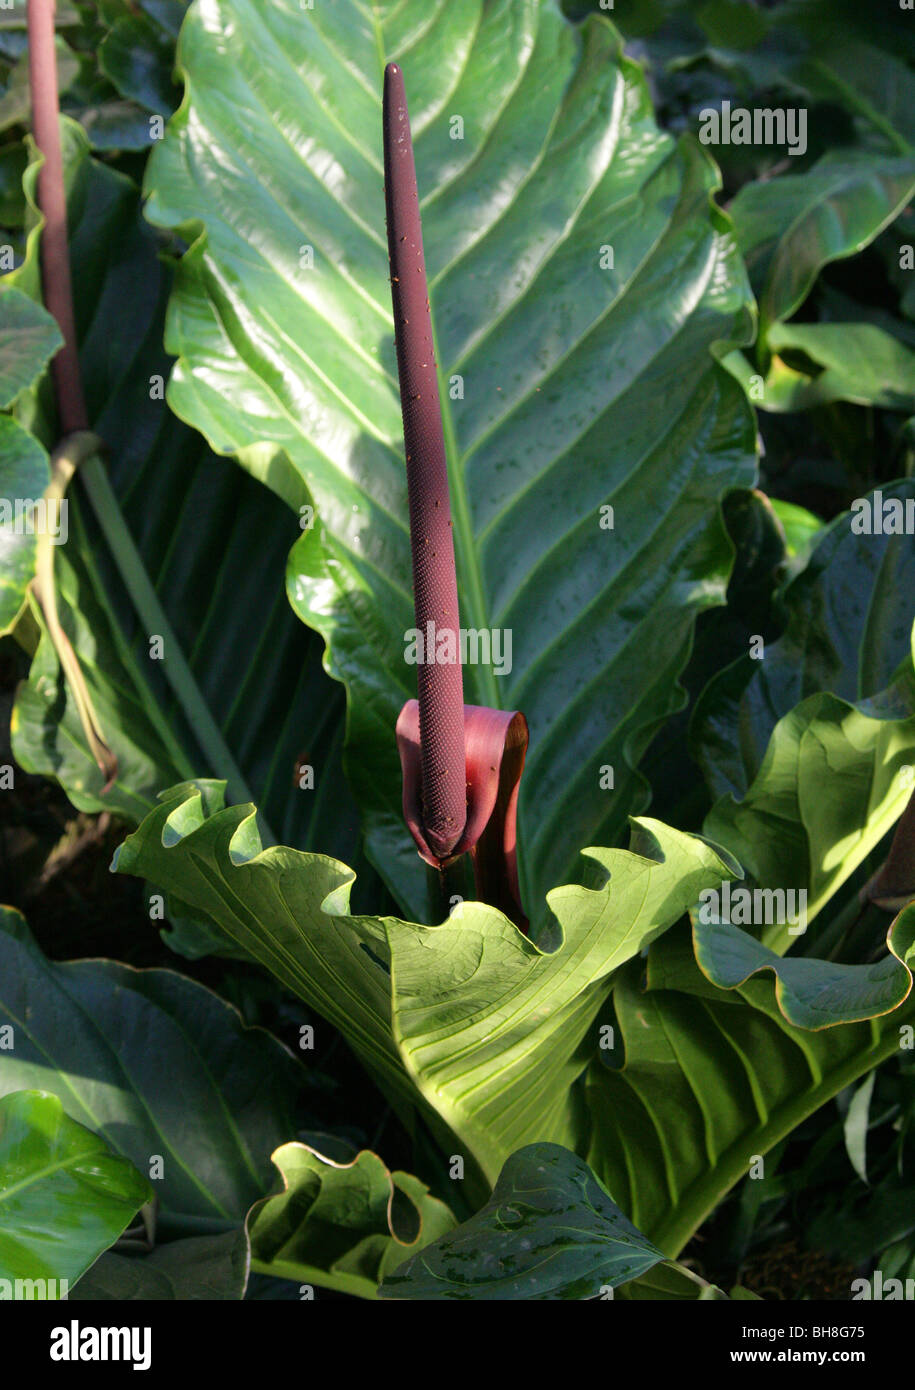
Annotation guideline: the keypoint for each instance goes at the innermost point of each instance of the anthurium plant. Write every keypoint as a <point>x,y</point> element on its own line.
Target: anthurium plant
<point>474,621</point>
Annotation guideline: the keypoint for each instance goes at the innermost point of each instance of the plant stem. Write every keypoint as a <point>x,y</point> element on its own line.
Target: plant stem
<point>55,257</point>
<point>64,462</point>
<point>443,884</point>
<point>73,417</point>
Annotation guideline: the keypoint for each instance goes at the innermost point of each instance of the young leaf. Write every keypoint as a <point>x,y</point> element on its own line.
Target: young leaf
<point>790,227</point>
<point>341,1226</point>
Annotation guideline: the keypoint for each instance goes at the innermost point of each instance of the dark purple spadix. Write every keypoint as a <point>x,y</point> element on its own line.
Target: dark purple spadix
<point>441,689</point>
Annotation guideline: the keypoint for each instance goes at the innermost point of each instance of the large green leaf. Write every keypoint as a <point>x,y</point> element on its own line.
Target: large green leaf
<point>341,1226</point>
<point>811,993</point>
<point>790,227</point>
<point>275,157</point>
<point>470,1021</point>
<point>64,1195</point>
<point>137,56</point>
<point>712,1079</point>
<point>548,1231</point>
<point>104,1038</point>
<point>213,544</point>
<point>197,1267</point>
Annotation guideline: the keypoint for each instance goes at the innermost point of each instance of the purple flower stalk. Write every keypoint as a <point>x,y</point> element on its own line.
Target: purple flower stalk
<point>441,688</point>
<point>461,764</point>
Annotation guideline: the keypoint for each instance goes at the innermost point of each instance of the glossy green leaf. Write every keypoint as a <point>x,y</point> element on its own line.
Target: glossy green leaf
<point>197,1267</point>
<point>341,1226</point>
<point>812,993</point>
<point>470,1021</point>
<point>712,1079</point>
<point>65,1196</point>
<point>137,57</point>
<point>213,544</point>
<point>155,1064</point>
<point>788,228</point>
<point>567,387</point>
<point>549,1231</point>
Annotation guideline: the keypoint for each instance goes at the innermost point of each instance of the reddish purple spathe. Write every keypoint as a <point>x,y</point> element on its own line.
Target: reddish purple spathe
<point>496,748</point>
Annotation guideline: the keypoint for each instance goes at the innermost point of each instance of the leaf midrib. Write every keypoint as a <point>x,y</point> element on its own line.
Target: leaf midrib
<point>67,1161</point>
